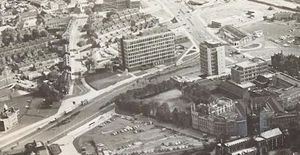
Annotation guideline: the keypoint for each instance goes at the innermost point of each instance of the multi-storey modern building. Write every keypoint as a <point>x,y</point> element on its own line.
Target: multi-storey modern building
<point>212,58</point>
<point>150,48</point>
<point>248,70</point>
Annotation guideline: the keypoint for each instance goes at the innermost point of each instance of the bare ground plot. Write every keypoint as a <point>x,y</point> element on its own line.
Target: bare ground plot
<point>273,30</point>
<point>234,12</point>
<point>272,42</point>
<point>104,79</point>
<point>146,137</point>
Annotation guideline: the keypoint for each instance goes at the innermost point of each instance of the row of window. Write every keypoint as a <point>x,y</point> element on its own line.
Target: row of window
<point>148,61</point>
<point>170,40</point>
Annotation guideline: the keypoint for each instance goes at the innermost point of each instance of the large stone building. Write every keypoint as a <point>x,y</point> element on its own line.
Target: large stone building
<point>220,117</point>
<point>259,144</point>
<point>212,58</point>
<point>248,70</point>
<point>8,118</point>
<point>148,49</point>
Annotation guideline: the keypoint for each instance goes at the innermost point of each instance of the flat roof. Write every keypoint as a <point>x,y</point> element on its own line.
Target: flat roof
<point>210,44</point>
<point>250,63</point>
<point>156,30</point>
<point>246,84</point>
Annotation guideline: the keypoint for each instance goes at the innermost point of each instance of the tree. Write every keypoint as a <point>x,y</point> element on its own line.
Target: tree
<point>9,35</point>
<point>30,148</point>
<point>87,27</point>
<point>88,11</point>
<point>27,36</point>
<point>35,34</point>
<point>175,117</point>
<point>146,109</point>
<point>81,43</point>
<point>20,37</point>
<point>164,113</point>
<point>43,33</point>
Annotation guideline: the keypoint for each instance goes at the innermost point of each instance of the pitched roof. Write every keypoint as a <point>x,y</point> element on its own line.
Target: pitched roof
<point>271,133</point>
<point>236,33</point>
<point>244,151</point>
<point>238,141</point>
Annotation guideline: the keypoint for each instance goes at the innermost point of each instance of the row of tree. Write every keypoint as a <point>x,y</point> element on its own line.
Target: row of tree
<point>133,101</point>
<point>288,64</point>
<point>11,36</point>
<point>196,93</point>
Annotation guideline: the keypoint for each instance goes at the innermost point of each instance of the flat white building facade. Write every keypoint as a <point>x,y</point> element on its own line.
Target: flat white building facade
<point>151,48</point>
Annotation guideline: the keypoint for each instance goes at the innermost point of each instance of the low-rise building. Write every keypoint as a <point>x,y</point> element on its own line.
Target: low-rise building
<point>8,118</point>
<point>147,49</point>
<point>57,22</point>
<point>248,70</point>
<point>117,5</point>
<point>234,36</point>
<point>285,16</point>
<point>36,147</point>
<point>28,15</point>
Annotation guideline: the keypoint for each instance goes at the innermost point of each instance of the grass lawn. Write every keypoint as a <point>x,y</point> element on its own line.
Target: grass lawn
<point>102,80</point>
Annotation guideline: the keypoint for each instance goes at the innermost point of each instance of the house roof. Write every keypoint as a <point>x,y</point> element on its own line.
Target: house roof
<point>244,151</point>
<point>242,140</point>
<point>271,133</point>
<point>235,32</point>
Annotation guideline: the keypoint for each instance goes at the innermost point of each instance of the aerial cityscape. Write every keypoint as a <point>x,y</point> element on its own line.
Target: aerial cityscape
<point>157,77</point>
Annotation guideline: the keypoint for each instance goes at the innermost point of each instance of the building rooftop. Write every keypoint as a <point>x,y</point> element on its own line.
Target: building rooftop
<point>211,44</point>
<point>156,30</point>
<point>249,63</point>
<point>244,151</point>
<point>238,141</point>
<point>235,32</point>
<point>247,84</point>
<point>287,78</point>
<point>259,139</point>
<point>271,133</point>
